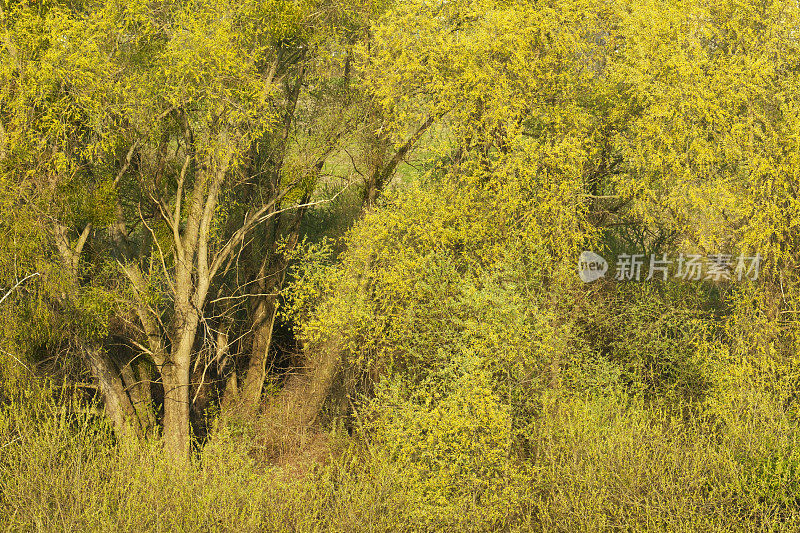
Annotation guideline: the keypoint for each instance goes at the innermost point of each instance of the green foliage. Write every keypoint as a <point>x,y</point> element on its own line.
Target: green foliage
<point>451,438</point>
<point>488,389</point>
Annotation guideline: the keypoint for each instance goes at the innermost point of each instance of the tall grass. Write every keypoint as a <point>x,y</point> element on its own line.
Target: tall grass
<point>596,464</point>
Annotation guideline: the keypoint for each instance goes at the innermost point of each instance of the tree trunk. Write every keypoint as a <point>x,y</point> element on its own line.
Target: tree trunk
<point>264,324</point>
<point>271,276</point>
<point>294,410</point>
<point>137,378</point>
<point>176,411</point>
<point>117,404</point>
<point>175,376</point>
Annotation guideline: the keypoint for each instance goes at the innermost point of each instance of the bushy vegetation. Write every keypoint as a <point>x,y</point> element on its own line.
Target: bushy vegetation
<point>601,461</point>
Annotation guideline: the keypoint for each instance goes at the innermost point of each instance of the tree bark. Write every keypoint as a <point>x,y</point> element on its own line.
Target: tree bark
<point>176,412</point>
<point>117,404</point>
<point>264,324</point>
<point>271,277</point>
<point>297,406</point>
<point>382,173</point>
<point>176,371</point>
<point>137,378</point>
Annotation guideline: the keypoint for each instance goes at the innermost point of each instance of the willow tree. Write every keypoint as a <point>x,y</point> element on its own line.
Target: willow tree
<point>512,92</point>
<point>158,140</point>
<point>714,152</point>
<point>563,121</point>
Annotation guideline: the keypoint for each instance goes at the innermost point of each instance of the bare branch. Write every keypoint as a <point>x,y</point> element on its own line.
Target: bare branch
<point>258,217</point>
<point>160,251</point>
<point>146,314</point>
<point>82,239</point>
<point>127,161</point>
<point>20,282</point>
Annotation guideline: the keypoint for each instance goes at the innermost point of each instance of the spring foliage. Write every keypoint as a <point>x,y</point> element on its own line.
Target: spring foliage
<point>477,384</point>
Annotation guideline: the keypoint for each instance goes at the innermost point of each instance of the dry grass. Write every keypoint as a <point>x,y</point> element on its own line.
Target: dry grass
<point>601,464</point>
